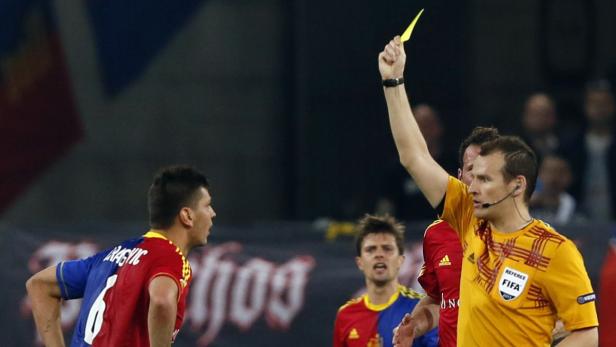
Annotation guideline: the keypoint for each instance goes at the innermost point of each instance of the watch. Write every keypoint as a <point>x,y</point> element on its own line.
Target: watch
<point>392,82</point>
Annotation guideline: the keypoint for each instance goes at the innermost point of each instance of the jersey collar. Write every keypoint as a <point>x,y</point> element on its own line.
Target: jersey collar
<point>155,235</point>
<point>381,307</point>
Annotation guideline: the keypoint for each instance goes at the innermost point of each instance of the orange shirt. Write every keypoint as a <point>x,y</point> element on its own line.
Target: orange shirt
<point>514,286</point>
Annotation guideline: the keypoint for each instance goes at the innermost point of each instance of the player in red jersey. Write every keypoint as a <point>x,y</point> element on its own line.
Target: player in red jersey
<point>442,250</point>
<point>135,293</point>
<point>368,321</point>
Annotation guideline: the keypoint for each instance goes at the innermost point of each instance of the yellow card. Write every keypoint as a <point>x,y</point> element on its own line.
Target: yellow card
<point>407,33</point>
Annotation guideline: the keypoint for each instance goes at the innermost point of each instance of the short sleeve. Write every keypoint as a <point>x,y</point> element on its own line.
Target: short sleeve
<point>170,264</point>
<point>427,276</point>
<point>458,207</point>
<point>568,286</point>
<point>429,282</point>
<point>72,275</point>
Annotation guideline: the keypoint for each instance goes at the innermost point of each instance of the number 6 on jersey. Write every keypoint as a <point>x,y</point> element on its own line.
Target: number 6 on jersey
<point>95,316</point>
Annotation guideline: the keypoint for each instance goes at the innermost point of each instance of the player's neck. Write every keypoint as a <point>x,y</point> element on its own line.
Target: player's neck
<point>177,237</point>
<point>378,295</point>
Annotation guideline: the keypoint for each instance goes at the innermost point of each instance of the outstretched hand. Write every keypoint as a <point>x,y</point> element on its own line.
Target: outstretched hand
<point>392,59</point>
<point>404,333</point>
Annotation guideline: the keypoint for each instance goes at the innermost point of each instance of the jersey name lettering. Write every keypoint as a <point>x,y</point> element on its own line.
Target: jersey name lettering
<point>122,256</point>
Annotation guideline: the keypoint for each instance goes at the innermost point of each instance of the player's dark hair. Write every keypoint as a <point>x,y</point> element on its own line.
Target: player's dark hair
<point>520,159</point>
<point>386,224</point>
<point>173,188</point>
<point>478,136</point>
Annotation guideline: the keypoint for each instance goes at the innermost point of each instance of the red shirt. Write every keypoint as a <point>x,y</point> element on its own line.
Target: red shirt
<point>607,304</point>
<point>125,320</point>
<point>440,276</point>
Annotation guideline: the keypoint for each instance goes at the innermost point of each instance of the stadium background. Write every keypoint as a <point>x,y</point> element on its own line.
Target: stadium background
<point>278,102</point>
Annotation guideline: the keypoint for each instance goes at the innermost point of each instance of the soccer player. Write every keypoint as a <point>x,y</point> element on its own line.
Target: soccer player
<point>370,319</point>
<point>442,251</point>
<point>135,293</point>
<point>518,274</point>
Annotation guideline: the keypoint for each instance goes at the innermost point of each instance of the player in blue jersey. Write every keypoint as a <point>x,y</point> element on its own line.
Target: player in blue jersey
<point>368,321</point>
<point>140,286</point>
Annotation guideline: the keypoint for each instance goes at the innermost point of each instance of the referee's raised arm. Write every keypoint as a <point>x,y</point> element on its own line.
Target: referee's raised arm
<point>428,174</point>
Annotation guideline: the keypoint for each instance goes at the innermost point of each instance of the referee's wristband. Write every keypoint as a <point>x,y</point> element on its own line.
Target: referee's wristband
<point>392,82</point>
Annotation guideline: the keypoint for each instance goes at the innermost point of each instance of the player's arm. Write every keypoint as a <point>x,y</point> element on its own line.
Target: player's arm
<point>45,299</point>
<point>588,337</point>
<point>425,314</point>
<point>162,311</point>
<point>421,320</point>
<point>559,332</point>
<point>412,148</point>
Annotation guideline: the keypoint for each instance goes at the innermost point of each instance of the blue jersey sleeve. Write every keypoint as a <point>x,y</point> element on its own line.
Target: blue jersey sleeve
<point>430,339</point>
<point>72,275</point>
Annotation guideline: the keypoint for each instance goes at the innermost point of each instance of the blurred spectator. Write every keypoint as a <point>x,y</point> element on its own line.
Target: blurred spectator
<point>593,156</point>
<point>431,127</point>
<point>551,202</point>
<point>402,196</point>
<point>539,120</point>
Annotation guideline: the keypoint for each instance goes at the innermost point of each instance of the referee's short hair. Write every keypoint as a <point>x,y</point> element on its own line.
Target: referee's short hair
<point>520,159</point>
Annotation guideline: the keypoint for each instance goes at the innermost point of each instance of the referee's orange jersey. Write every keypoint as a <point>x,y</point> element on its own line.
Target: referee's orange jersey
<point>514,286</point>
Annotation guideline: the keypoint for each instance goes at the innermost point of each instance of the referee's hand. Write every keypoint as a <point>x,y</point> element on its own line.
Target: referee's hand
<point>392,59</point>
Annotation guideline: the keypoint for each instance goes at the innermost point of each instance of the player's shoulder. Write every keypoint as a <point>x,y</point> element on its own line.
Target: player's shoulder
<point>161,246</point>
<point>162,252</point>
<point>117,250</point>
<point>353,303</point>
<point>409,293</point>
<point>438,229</point>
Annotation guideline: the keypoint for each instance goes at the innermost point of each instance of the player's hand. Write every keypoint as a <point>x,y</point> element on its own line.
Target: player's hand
<point>404,333</point>
<point>559,330</point>
<point>392,59</point>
